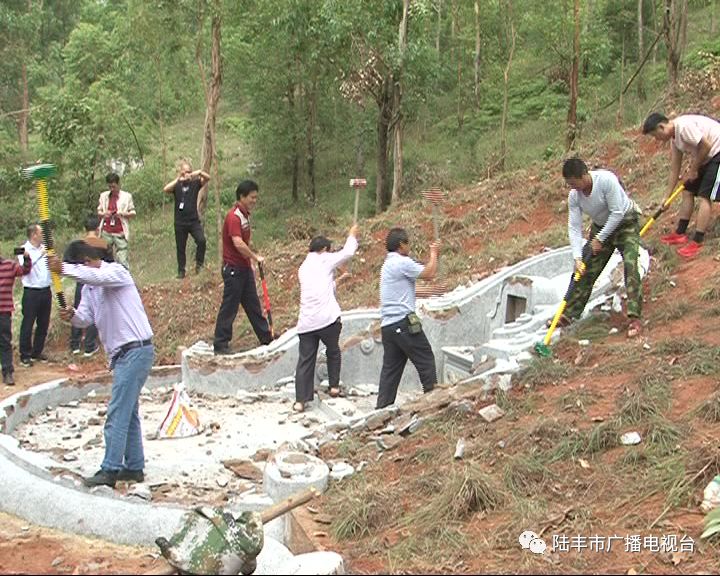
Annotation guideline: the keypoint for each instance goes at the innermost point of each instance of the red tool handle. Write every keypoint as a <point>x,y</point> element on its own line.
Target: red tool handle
<point>266,298</point>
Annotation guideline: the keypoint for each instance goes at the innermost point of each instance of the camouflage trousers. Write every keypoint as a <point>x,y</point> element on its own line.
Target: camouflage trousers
<point>627,240</point>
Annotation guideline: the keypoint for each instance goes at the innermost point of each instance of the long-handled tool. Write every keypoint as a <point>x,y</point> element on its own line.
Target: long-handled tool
<point>665,206</point>
<point>357,184</point>
<point>436,197</point>
<point>543,348</point>
<point>266,298</point>
<point>211,541</point>
<point>40,173</point>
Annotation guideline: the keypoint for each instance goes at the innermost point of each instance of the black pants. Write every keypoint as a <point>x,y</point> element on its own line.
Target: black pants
<point>36,306</point>
<point>6,358</point>
<point>399,346</point>
<point>239,290</point>
<point>307,356</point>
<point>195,229</point>
<point>76,333</point>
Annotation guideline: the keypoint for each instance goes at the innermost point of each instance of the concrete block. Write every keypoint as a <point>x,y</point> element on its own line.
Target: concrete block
<point>318,563</point>
<point>287,473</point>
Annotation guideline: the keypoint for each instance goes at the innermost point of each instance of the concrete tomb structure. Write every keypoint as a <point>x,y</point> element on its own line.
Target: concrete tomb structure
<point>253,449</point>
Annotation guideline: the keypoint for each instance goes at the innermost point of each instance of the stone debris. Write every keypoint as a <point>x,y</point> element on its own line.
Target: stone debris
<point>341,470</point>
<point>491,413</point>
<point>459,449</point>
<point>245,469</point>
<point>141,491</point>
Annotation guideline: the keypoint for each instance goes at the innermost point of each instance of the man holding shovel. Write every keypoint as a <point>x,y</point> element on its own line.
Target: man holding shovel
<point>699,137</point>
<point>237,272</point>
<point>599,194</point>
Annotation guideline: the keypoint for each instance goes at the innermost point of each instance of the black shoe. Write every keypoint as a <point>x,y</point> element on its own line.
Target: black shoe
<point>180,275</point>
<point>90,353</point>
<point>40,358</point>
<point>198,268</point>
<point>222,350</point>
<point>8,379</point>
<point>126,475</point>
<point>27,362</point>
<point>102,478</point>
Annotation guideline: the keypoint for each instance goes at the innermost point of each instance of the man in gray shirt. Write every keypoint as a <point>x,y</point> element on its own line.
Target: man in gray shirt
<point>599,194</point>
<point>402,334</point>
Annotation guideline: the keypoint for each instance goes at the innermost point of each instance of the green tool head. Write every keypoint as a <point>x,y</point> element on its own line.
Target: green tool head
<point>543,350</point>
<point>39,171</point>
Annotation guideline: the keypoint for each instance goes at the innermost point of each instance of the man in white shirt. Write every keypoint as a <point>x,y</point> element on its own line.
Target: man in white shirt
<point>36,300</point>
<point>699,137</point>
<point>319,318</point>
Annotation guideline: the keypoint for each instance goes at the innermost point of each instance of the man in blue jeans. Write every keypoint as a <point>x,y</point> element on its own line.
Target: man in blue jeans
<point>111,301</point>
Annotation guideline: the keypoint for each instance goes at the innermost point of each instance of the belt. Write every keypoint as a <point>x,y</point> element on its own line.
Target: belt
<point>38,289</point>
<point>235,268</point>
<point>125,348</point>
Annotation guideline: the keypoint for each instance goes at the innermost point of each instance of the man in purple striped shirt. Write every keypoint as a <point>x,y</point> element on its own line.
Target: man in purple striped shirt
<point>111,301</point>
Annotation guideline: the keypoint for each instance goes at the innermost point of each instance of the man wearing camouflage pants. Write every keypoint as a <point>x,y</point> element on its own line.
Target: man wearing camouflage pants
<point>599,194</point>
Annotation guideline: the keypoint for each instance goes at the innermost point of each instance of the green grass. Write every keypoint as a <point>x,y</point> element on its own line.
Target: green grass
<point>543,371</point>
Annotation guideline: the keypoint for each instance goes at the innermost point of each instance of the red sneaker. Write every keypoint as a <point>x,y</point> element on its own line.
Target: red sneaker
<point>674,238</point>
<point>690,250</point>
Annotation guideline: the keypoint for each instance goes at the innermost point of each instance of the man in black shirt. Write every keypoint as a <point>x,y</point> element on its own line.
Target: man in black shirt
<point>186,189</point>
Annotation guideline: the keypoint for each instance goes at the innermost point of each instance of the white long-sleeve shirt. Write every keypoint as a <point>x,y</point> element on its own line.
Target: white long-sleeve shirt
<point>39,276</point>
<point>111,301</point>
<point>318,306</point>
<point>607,205</point>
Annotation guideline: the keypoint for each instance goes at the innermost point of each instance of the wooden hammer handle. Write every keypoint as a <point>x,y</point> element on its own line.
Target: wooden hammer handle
<point>288,504</point>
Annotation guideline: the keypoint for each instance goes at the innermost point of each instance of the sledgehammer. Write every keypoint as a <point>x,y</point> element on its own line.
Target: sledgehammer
<point>40,173</point>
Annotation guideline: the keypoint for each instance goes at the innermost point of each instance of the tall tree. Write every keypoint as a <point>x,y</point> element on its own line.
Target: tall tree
<point>476,59</point>
<point>641,49</point>
<point>675,34</point>
<point>574,73</point>
<point>506,83</point>
<point>397,105</point>
<point>211,86</point>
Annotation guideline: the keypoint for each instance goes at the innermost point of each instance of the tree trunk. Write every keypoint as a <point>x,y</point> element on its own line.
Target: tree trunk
<point>713,16</point>
<point>572,111</point>
<point>477,54</point>
<point>439,27</point>
<point>310,142</point>
<point>655,29</point>
<point>506,78</point>
<point>459,63</point>
<point>397,109</point>
<point>673,35</point>
<point>22,121</point>
<point>641,50</point>
<point>295,158</point>
<point>621,100</point>
<point>208,155</point>
<point>385,114</point>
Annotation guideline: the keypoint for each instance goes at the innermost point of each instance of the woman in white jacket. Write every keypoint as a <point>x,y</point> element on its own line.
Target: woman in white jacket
<point>319,318</point>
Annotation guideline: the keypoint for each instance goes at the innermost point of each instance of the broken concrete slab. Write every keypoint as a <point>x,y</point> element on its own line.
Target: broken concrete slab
<point>287,473</point>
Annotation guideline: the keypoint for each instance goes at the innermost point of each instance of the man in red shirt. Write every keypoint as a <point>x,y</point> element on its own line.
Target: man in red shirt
<point>237,271</point>
<point>9,270</point>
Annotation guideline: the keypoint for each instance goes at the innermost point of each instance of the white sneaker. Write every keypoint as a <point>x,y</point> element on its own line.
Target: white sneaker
<point>92,352</point>
<point>76,351</point>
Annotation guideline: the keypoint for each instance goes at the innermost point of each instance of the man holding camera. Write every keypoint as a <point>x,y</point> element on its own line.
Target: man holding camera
<point>9,270</point>
<point>116,207</point>
<point>186,190</point>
